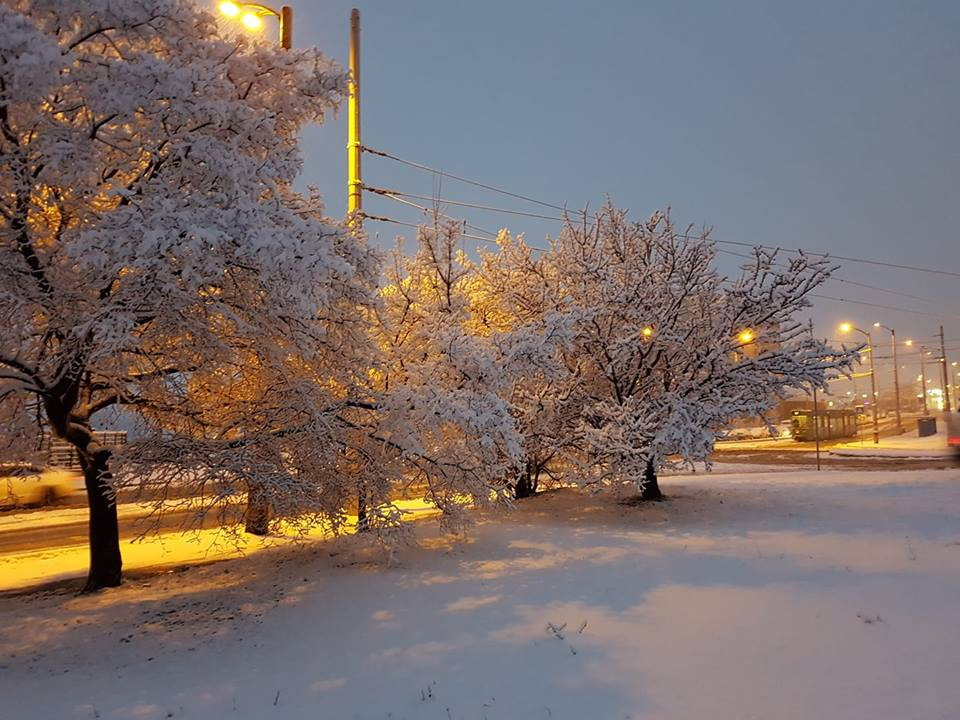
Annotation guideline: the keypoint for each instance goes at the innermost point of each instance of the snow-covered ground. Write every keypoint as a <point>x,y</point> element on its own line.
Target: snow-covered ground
<point>792,595</point>
<point>899,446</point>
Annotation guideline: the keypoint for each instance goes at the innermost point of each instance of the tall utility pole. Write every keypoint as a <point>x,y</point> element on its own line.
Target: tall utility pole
<point>923,377</point>
<point>946,373</point>
<point>896,372</point>
<point>816,411</point>
<point>354,147</point>
<point>845,328</point>
<point>873,393</point>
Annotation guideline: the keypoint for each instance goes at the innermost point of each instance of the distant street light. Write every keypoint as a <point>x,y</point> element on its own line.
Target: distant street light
<point>845,328</point>
<point>896,374</point>
<point>251,15</point>
<point>746,336</point>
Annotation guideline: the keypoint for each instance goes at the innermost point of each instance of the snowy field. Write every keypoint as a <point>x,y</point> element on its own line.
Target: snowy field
<point>790,595</point>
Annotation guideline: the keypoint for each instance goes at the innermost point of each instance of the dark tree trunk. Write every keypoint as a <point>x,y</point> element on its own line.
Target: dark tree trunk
<point>363,524</point>
<point>258,510</point>
<point>650,488</point>
<point>527,481</point>
<point>105,561</point>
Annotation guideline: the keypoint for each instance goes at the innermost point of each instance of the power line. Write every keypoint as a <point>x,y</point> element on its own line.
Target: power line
<point>884,307</point>
<point>427,168</point>
<point>415,226</point>
<point>880,263</point>
<point>395,196</point>
<point>841,257</point>
<point>458,203</point>
<point>853,282</point>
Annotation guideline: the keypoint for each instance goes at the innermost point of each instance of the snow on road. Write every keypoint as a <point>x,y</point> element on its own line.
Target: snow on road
<point>899,446</point>
<point>790,595</point>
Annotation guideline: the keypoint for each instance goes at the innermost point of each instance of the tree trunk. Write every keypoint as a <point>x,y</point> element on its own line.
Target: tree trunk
<point>527,481</point>
<point>363,524</point>
<point>105,561</point>
<point>650,488</point>
<point>523,487</point>
<point>258,510</point>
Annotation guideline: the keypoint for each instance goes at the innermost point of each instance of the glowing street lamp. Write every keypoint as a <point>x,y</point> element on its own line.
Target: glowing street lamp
<point>648,333</point>
<point>845,328</point>
<point>252,14</point>
<point>746,336</point>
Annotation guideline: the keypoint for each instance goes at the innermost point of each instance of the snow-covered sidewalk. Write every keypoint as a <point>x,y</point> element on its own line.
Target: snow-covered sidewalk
<point>790,596</point>
<point>898,446</point>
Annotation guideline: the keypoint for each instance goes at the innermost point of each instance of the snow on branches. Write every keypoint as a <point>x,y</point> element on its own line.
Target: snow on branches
<point>152,249</point>
<point>442,379</point>
<point>663,350</point>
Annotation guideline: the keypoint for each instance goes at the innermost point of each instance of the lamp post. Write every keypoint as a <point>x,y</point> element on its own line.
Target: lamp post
<point>845,328</point>
<point>896,372</point>
<point>251,14</point>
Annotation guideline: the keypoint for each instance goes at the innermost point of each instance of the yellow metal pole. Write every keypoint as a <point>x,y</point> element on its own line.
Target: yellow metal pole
<point>286,27</point>
<point>354,184</point>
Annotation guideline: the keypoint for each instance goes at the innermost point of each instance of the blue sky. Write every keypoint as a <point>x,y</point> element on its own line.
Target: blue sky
<point>824,125</point>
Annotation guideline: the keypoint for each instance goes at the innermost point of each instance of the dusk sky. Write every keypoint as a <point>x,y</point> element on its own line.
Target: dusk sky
<point>821,125</point>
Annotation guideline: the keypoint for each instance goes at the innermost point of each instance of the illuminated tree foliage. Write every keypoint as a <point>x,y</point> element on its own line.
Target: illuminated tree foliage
<point>442,380</point>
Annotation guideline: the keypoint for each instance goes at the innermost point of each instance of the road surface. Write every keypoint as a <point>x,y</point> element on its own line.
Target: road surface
<point>64,534</point>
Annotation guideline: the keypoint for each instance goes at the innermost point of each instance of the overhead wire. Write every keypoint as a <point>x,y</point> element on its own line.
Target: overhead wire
<point>914,268</point>
<point>864,285</point>
<point>394,221</point>
<point>459,203</point>
<point>519,196</point>
<point>458,178</point>
<point>404,199</point>
<point>395,196</point>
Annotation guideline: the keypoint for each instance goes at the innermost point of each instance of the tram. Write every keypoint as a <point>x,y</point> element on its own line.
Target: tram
<point>833,424</point>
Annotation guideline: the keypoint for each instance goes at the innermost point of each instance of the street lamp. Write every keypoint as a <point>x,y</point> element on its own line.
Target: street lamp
<point>896,374</point>
<point>845,328</point>
<point>252,14</point>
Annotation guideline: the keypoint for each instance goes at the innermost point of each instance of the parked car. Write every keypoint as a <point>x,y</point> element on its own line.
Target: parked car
<point>23,485</point>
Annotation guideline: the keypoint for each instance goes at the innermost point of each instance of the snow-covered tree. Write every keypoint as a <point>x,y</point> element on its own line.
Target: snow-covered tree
<point>152,252</point>
<point>441,381</point>
<point>545,395</point>
<point>664,350</point>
